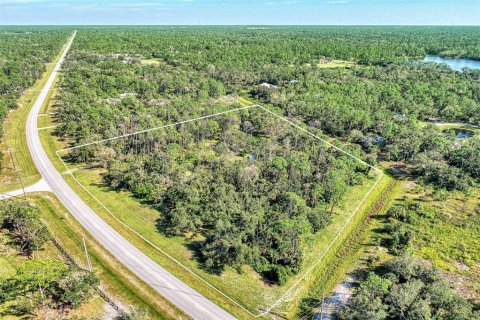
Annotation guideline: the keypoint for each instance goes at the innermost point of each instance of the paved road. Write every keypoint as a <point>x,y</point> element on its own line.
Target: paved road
<point>184,297</point>
<point>40,186</point>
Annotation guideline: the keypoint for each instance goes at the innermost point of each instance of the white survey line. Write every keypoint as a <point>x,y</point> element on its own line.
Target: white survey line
<point>321,139</point>
<point>151,243</point>
<point>327,249</point>
<point>295,284</point>
<point>46,114</point>
<point>45,128</point>
<point>157,128</point>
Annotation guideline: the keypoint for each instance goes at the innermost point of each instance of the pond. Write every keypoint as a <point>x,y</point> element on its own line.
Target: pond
<point>455,64</point>
<point>460,133</point>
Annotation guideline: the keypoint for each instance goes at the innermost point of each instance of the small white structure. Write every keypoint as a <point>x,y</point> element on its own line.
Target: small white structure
<point>268,85</point>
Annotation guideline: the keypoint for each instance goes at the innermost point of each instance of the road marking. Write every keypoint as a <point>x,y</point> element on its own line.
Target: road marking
<point>120,247</point>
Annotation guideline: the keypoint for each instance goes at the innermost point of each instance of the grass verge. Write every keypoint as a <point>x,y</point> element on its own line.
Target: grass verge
<point>19,169</point>
<point>10,260</point>
<point>117,281</point>
<point>18,166</point>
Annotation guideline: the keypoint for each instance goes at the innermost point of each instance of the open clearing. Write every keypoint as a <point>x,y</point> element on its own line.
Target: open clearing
<point>336,64</point>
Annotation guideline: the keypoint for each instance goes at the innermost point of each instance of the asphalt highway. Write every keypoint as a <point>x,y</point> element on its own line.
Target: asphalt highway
<point>180,294</point>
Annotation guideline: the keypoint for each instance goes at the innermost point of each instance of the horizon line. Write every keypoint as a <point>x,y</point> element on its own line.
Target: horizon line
<point>253,25</point>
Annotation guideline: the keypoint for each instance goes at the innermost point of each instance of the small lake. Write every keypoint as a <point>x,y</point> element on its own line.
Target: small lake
<point>460,133</point>
<point>455,64</point>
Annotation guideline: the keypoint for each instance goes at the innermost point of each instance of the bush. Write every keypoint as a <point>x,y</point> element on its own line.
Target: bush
<point>24,223</point>
<point>77,286</point>
<point>399,241</point>
<point>406,288</point>
<point>24,306</point>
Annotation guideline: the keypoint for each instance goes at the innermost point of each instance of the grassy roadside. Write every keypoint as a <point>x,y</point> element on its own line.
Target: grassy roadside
<point>10,260</point>
<point>15,140</point>
<point>116,279</point>
<point>119,283</point>
<point>125,204</point>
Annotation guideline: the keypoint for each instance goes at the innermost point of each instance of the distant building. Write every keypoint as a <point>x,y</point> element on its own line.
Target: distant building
<point>325,60</point>
<point>372,139</point>
<point>268,85</point>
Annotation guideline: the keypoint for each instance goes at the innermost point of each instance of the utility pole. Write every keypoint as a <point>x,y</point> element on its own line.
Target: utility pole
<point>323,301</point>
<point>15,170</point>
<point>86,254</point>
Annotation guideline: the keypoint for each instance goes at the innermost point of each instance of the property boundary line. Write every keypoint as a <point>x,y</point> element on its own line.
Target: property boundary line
<point>295,284</point>
<point>158,128</point>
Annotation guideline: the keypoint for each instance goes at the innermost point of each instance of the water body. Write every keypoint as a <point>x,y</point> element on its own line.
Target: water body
<point>455,64</point>
<point>460,133</point>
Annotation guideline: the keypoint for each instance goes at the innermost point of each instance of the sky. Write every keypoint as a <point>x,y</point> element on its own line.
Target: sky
<point>250,12</point>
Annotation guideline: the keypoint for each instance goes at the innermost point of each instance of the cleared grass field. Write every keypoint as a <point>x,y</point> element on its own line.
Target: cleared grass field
<point>151,61</point>
<point>336,64</point>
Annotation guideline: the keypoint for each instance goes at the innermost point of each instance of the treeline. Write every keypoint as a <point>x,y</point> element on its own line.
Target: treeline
<point>232,52</point>
<point>37,283</point>
<point>241,56</point>
<point>23,55</point>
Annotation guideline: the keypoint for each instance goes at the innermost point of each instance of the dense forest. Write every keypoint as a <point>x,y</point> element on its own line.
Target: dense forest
<point>24,52</point>
<point>250,189</point>
<point>232,52</point>
<point>379,108</point>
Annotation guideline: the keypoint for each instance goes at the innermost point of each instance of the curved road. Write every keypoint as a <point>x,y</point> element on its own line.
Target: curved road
<point>184,297</point>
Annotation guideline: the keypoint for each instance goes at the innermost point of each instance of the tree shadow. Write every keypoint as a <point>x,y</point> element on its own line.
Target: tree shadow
<point>195,247</point>
<point>309,308</point>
